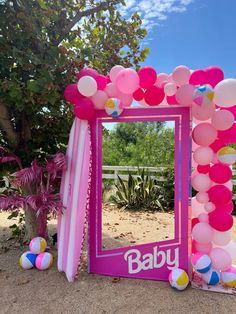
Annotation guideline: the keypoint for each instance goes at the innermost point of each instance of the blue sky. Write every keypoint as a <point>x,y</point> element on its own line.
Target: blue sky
<point>196,33</point>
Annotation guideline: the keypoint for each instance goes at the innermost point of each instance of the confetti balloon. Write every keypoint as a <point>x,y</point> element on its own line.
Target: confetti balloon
<point>37,245</point>
<point>113,107</point>
<point>178,279</point>
<point>27,260</point>
<point>203,95</point>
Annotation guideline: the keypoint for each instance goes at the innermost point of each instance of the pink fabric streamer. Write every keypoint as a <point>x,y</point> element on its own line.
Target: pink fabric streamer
<point>74,189</point>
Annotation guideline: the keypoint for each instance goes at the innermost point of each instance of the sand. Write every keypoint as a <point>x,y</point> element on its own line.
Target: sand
<point>45,292</point>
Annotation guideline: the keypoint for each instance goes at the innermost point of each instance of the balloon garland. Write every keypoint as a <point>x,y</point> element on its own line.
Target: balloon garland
<point>213,102</point>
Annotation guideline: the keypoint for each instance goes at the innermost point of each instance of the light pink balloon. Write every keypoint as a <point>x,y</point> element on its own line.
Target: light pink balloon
<point>203,217</point>
<point>221,238</point>
<point>209,207</point>
<point>87,86</point>
<point>203,155</point>
<point>99,99</point>
<point>221,260</point>
<point>170,89</point>
<point>222,120</point>
<point>111,90</point>
<point>202,197</point>
<point>225,93</point>
<point>162,78</point>
<point>184,95</point>
<point>125,99</point>
<point>203,113</point>
<point>197,208</point>
<point>204,134</point>
<point>127,81</point>
<point>231,249</point>
<point>202,233</point>
<point>181,75</point>
<point>114,72</point>
<point>203,248</point>
<point>201,182</point>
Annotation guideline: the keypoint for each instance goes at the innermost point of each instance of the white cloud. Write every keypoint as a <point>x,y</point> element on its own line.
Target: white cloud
<point>153,12</point>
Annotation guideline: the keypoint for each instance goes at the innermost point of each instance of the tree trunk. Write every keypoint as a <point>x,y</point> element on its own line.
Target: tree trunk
<point>35,225</point>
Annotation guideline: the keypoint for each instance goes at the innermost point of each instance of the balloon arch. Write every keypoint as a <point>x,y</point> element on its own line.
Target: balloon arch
<point>212,100</point>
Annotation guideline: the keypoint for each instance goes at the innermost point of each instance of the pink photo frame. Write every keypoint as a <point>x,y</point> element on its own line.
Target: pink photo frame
<point>153,260</point>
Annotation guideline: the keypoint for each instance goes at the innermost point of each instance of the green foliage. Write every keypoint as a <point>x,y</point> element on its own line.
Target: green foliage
<point>138,143</point>
<point>141,193</point>
<point>43,43</point>
<point>18,228</point>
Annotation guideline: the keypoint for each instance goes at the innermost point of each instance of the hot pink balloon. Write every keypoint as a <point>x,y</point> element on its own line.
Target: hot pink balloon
<point>222,120</point>
<point>214,75</point>
<point>228,136</point>
<point>203,168</point>
<point>217,145</point>
<point>204,134</point>
<point>229,207</point>
<point>203,113</point>
<point>127,81</point>
<point>114,72</point>
<point>154,95</point>
<point>181,75</point>
<point>138,94</point>
<point>184,95</point>
<point>221,260</point>
<point>198,77</point>
<point>147,76</point>
<point>99,99</point>
<point>219,194</point>
<point>202,233</point>
<point>111,90</point>
<point>101,82</point>
<point>171,100</point>
<point>84,109</point>
<point>220,173</point>
<point>87,72</point>
<point>72,93</point>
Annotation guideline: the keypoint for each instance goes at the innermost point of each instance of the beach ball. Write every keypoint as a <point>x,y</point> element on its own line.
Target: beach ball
<point>227,155</point>
<point>228,277</point>
<point>178,279</point>
<point>44,261</point>
<point>113,107</point>
<point>37,245</point>
<point>27,260</point>
<point>212,277</point>
<point>203,95</point>
<point>201,262</point>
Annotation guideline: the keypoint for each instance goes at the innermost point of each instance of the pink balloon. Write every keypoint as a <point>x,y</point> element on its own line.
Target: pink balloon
<point>72,93</point>
<point>209,207</point>
<point>127,81</point>
<point>138,94</point>
<point>214,75</point>
<point>197,208</point>
<point>203,217</point>
<point>202,233</point>
<point>114,72</point>
<point>222,120</point>
<point>202,197</point>
<point>233,111</point>
<point>126,100</point>
<point>154,95</point>
<point>84,109</point>
<point>217,145</point>
<point>203,248</point>
<point>198,77</point>
<point>101,82</point>
<point>228,136</point>
<point>220,173</point>
<point>219,194</point>
<point>221,260</point>
<point>203,155</point>
<point>181,75</point>
<point>221,238</point>
<point>203,113</point>
<point>184,94</point>
<point>161,79</point>
<point>204,134</point>
<point>87,72</point>
<point>147,76</point>
<point>203,168</point>
<point>201,182</point>
<point>99,99</point>
<point>111,90</point>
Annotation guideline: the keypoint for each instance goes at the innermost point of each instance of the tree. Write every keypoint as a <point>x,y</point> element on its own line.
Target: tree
<point>43,43</point>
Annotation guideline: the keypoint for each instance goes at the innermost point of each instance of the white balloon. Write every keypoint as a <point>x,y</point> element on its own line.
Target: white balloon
<point>197,208</point>
<point>87,86</point>
<point>231,249</point>
<point>221,238</point>
<point>225,93</point>
<point>170,89</point>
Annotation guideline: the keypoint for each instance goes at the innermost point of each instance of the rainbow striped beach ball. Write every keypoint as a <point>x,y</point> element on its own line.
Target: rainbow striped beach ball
<point>27,260</point>
<point>178,279</point>
<point>37,245</point>
<point>201,262</point>
<point>44,261</point>
<point>228,277</point>
<point>212,277</point>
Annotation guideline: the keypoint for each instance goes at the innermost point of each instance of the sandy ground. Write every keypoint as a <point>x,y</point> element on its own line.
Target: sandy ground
<point>45,292</point>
